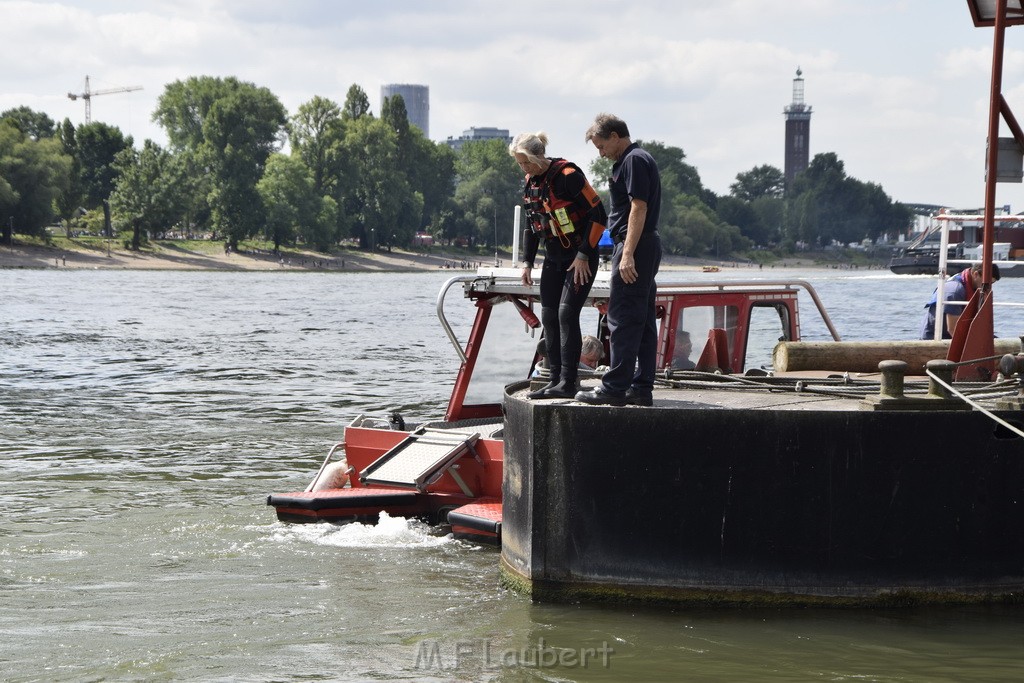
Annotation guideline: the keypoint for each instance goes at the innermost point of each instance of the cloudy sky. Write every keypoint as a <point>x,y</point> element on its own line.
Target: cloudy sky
<point>899,88</point>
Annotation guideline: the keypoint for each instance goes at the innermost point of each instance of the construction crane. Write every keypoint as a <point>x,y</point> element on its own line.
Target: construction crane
<point>88,94</point>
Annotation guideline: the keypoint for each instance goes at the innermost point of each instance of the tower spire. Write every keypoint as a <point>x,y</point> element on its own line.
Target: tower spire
<point>798,131</point>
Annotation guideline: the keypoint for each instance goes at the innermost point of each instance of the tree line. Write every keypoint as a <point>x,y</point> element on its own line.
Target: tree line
<point>237,166</point>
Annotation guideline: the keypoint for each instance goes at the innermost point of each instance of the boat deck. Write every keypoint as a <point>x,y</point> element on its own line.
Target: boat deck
<point>815,391</point>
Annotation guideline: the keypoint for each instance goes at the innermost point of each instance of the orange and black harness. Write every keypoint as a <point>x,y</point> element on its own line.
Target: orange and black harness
<point>553,218</point>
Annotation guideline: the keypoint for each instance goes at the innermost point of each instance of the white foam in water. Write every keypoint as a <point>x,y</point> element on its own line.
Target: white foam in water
<point>388,532</point>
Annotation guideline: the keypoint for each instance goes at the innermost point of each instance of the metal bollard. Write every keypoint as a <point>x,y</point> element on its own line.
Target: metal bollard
<point>943,369</point>
<point>892,371</point>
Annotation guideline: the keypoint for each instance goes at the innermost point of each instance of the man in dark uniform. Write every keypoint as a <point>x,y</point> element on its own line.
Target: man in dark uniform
<point>635,188</point>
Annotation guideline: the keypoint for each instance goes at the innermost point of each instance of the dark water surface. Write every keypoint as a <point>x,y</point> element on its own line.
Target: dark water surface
<point>144,416</point>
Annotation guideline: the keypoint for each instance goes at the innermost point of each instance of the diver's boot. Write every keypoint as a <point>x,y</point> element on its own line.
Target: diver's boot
<point>542,392</point>
<point>566,388</point>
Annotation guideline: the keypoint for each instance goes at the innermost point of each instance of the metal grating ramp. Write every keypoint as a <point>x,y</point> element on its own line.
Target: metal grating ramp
<point>421,458</point>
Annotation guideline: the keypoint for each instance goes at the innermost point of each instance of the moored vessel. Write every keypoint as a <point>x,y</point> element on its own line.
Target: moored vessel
<point>451,470</point>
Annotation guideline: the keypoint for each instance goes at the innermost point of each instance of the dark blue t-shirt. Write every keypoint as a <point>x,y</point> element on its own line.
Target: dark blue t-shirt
<point>634,176</point>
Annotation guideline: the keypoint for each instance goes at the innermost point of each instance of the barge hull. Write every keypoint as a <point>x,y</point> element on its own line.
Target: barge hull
<point>693,500</point>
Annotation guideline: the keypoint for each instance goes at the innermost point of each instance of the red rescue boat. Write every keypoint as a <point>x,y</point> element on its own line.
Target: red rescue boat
<point>451,471</point>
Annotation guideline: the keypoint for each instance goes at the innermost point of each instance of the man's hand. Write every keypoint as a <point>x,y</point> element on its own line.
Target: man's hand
<point>627,268</point>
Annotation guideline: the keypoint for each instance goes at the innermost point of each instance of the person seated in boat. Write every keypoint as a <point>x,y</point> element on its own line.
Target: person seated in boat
<point>681,354</point>
<point>565,213</point>
<point>541,366</point>
<point>590,356</point>
<point>960,287</point>
<point>591,352</point>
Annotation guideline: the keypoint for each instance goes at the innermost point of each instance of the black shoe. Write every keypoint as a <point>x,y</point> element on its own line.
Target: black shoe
<point>639,398</point>
<point>542,392</point>
<point>564,389</point>
<point>600,397</point>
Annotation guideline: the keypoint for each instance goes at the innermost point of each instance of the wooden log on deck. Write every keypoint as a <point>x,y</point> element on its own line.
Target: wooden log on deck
<point>857,356</point>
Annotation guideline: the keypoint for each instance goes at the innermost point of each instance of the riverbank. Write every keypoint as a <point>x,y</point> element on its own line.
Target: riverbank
<point>172,255</point>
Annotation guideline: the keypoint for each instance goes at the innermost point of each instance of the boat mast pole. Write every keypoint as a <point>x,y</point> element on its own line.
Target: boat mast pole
<point>992,155</point>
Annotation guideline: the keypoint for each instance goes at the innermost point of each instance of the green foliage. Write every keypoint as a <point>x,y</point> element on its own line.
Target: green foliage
<point>490,186</point>
<point>760,181</point>
<point>231,127</point>
<point>357,104</point>
<point>826,206</point>
<point>378,190</point>
<point>34,174</point>
<point>96,147</point>
<point>677,176</point>
<point>316,133</point>
<point>69,203</point>
<point>147,195</point>
<point>35,125</point>
<point>291,204</point>
<point>600,172</point>
<point>380,180</point>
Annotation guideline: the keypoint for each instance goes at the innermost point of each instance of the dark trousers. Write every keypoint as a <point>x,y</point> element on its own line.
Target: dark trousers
<point>632,322</point>
<point>561,301</point>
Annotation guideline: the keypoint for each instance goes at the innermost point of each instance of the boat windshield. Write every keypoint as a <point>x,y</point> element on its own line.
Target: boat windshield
<point>506,355</point>
<point>508,351</point>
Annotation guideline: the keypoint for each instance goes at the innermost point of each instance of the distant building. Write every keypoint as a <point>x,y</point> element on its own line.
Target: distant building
<point>476,134</point>
<point>798,131</point>
<point>417,103</point>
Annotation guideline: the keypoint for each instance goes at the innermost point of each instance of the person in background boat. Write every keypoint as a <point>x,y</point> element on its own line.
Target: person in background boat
<point>590,356</point>
<point>681,354</point>
<point>960,287</point>
<point>635,188</point>
<point>565,213</point>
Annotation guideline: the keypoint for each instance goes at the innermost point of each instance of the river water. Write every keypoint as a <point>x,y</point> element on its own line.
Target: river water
<point>145,416</point>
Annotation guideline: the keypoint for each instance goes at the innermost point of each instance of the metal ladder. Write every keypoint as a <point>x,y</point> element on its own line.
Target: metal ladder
<point>422,458</point>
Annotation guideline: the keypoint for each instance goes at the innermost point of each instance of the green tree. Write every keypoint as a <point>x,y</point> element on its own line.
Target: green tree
<point>10,136</point>
<point>677,176</point>
<point>760,181</point>
<point>357,104</point>
<point>429,168</point>
<point>35,125</point>
<point>741,214</point>
<point>378,194</point>
<point>148,192</point>
<point>826,206</point>
<point>232,127</point>
<point>600,172</point>
<point>771,214</point>
<point>316,133</point>
<point>317,137</point>
<point>490,186</point>
<point>396,116</point>
<point>432,171</point>
<point>35,173</point>
<point>69,203</point>
<point>291,203</point>
<point>97,145</point>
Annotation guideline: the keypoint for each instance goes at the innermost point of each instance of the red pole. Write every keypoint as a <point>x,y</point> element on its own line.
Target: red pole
<point>973,337</point>
<point>992,162</point>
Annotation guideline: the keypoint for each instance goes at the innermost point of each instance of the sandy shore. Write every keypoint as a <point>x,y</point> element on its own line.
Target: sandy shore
<point>171,256</point>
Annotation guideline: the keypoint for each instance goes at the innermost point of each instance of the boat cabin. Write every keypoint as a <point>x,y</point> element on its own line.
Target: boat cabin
<point>732,326</point>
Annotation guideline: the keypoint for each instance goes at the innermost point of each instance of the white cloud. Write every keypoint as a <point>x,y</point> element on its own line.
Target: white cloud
<point>899,89</point>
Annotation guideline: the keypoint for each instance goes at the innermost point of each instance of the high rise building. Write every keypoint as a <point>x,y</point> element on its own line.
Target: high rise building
<point>474,134</point>
<point>798,131</point>
<point>417,103</point>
